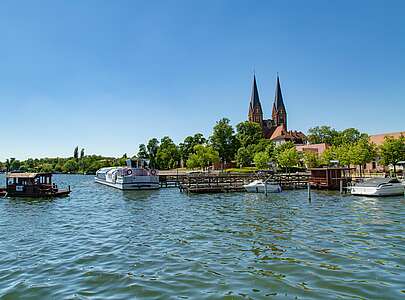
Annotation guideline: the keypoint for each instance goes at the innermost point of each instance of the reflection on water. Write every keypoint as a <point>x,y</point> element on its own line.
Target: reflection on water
<point>105,243</point>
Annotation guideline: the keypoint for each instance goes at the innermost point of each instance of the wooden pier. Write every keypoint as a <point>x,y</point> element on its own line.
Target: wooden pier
<point>226,183</point>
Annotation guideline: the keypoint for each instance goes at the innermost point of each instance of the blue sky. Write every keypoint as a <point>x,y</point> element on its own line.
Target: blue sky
<point>109,75</point>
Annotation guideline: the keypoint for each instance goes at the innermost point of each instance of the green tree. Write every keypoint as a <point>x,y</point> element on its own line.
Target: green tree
<point>82,153</point>
<point>203,157</point>
<point>322,134</point>
<point>261,160</point>
<point>362,152</point>
<point>349,136</point>
<point>282,147</point>
<point>311,159</point>
<point>76,153</point>
<point>392,151</point>
<point>142,152</point>
<point>187,147</point>
<point>223,140</point>
<point>243,157</point>
<point>168,155</point>
<point>70,166</point>
<point>14,164</point>
<point>153,147</point>
<point>288,158</point>
<point>265,145</point>
<point>248,133</point>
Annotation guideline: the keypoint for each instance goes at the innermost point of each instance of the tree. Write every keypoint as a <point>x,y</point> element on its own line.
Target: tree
<point>266,146</point>
<point>82,153</point>
<point>392,151</point>
<point>223,140</point>
<point>153,147</point>
<point>203,157</point>
<point>187,147</point>
<point>311,159</point>
<point>284,146</point>
<point>288,158</point>
<point>142,152</point>
<point>328,155</point>
<point>322,134</point>
<point>261,160</point>
<point>168,155</point>
<point>70,166</point>
<point>14,164</point>
<point>349,136</point>
<point>248,133</point>
<point>243,157</point>
<point>362,152</point>
<point>76,153</point>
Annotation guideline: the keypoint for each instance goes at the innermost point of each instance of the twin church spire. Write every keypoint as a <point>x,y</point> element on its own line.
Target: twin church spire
<point>279,113</point>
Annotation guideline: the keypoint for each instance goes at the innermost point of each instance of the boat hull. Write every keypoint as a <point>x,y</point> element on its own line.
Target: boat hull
<point>378,192</point>
<point>261,188</point>
<point>131,185</point>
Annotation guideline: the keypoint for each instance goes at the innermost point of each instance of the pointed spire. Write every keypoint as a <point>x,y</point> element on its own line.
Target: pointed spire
<point>278,99</point>
<point>254,99</point>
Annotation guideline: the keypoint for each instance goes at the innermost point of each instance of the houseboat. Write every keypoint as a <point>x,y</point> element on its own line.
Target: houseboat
<point>135,176</point>
<point>35,185</point>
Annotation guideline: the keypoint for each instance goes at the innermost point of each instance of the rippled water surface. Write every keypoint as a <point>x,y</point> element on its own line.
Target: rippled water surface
<point>102,243</point>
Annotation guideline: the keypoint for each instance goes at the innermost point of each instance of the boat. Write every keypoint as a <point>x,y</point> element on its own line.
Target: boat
<point>34,185</point>
<point>379,187</point>
<point>135,176</point>
<point>260,186</point>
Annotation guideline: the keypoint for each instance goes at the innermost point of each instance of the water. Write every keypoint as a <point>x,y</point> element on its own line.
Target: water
<point>102,243</point>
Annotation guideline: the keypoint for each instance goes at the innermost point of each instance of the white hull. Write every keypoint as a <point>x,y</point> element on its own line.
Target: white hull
<point>130,186</point>
<point>260,187</point>
<point>378,191</point>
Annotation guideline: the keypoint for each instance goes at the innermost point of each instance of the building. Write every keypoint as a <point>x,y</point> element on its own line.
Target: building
<point>378,139</point>
<point>314,148</point>
<point>276,127</point>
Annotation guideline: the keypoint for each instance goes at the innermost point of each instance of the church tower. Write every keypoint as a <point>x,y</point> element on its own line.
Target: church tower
<point>279,113</point>
<point>255,108</point>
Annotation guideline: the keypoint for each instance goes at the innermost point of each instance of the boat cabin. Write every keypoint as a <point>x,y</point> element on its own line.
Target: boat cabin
<point>329,178</point>
<point>32,185</point>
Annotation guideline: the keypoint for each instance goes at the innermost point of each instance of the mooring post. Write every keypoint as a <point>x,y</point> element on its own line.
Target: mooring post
<point>341,186</point>
<point>309,191</point>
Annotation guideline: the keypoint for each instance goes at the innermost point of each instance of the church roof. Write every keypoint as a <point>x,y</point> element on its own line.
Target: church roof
<point>254,98</point>
<point>278,99</point>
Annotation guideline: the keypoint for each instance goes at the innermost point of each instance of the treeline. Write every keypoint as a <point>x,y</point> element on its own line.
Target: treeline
<point>78,163</point>
<point>352,148</point>
<point>243,145</point>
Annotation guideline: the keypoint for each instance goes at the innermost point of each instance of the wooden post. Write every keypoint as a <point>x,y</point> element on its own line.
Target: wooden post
<point>341,186</point>
<point>309,191</point>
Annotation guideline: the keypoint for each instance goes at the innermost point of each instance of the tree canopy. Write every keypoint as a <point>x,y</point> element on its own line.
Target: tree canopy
<point>223,140</point>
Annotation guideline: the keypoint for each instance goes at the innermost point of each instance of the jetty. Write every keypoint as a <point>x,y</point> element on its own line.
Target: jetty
<point>227,183</point>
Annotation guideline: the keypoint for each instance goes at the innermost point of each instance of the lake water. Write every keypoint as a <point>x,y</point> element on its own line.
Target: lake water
<point>102,243</point>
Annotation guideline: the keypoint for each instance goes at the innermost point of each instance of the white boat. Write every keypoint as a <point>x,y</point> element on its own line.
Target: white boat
<point>135,176</point>
<point>259,186</point>
<point>379,187</point>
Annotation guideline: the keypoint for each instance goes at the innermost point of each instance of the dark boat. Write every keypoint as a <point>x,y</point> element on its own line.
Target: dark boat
<point>35,185</point>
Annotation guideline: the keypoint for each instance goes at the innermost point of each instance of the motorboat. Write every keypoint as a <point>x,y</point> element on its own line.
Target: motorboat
<point>379,187</point>
<point>135,176</point>
<point>260,186</point>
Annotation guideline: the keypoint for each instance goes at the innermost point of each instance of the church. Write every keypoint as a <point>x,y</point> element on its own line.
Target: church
<point>275,128</point>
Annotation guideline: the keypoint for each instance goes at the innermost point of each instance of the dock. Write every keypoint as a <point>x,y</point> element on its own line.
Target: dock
<point>227,183</point>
